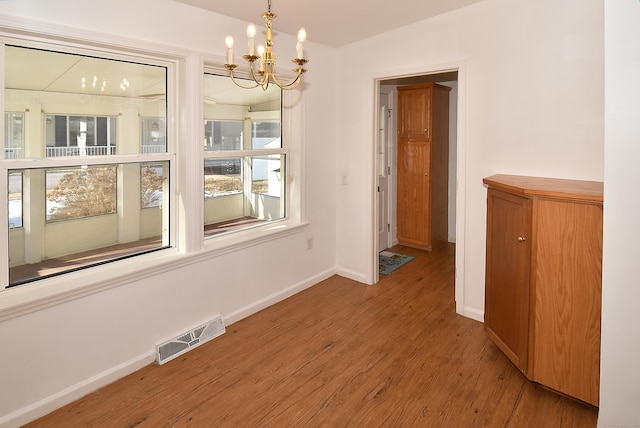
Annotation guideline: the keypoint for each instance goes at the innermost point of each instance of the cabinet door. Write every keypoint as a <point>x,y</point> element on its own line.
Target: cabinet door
<point>414,106</point>
<point>507,282</point>
<point>414,211</point>
<point>568,284</point>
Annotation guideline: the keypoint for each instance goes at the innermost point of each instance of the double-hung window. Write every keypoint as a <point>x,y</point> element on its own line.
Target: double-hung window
<point>86,159</point>
<point>244,157</point>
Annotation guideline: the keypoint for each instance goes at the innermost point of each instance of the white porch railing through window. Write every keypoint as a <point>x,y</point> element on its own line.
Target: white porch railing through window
<point>154,148</point>
<point>53,152</point>
<point>13,152</point>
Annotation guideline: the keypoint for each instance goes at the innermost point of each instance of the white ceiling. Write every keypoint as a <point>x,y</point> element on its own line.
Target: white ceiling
<point>39,70</point>
<point>333,22</point>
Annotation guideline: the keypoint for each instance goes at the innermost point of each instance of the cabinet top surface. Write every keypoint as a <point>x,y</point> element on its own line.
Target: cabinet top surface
<point>590,191</point>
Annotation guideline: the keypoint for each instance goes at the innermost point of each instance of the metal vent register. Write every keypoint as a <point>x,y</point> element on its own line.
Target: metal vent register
<point>177,346</point>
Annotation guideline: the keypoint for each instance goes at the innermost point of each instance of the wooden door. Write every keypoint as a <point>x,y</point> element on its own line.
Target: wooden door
<point>414,106</point>
<point>568,298</point>
<point>506,314</point>
<point>414,210</point>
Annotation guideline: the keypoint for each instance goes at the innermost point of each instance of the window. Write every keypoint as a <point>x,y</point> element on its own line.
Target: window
<point>15,200</point>
<point>13,135</point>
<point>80,135</point>
<point>151,185</point>
<point>222,177</point>
<point>90,179</point>
<point>223,134</point>
<point>244,158</point>
<point>153,135</point>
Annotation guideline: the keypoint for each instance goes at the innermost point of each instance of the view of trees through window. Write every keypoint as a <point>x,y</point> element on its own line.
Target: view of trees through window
<point>81,192</point>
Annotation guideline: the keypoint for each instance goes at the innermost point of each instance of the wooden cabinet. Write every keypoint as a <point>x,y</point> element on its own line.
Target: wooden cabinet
<point>423,165</point>
<point>544,279</point>
<point>414,111</point>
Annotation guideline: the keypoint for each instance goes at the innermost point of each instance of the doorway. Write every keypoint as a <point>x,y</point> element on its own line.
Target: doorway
<point>386,197</point>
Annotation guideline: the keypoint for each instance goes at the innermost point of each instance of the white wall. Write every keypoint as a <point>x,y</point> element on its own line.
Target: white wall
<point>56,354</point>
<point>532,100</point>
<point>620,377</point>
<point>533,92</point>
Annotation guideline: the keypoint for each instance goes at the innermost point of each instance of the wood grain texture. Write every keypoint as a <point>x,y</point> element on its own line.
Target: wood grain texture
<point>335,355</point>
<point>507,289</point>
<point>572,190</point>
<point>565,280</point>
<point>423,165</point>
<point>414,193</point>
<point>568,277</point>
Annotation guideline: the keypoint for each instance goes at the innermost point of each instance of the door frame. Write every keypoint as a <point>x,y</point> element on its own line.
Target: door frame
<point>461,149</point>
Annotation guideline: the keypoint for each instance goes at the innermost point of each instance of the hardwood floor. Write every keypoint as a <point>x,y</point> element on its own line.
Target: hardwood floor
<point>339,354</point>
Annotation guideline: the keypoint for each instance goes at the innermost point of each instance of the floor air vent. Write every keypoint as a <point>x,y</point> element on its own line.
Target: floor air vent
<point>177,346</point>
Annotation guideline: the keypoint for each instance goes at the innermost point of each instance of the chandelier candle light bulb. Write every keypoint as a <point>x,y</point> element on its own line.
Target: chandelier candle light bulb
<point>302,35</point>
<point>229,43</point>
<point>264,72</point>
<point>261,57</point>
<point>251,34</point>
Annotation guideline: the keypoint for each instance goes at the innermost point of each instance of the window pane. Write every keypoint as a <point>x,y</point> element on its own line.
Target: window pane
<point>86,102</point>
<point>80,135</point>
<point>151,185</point>
<point>265,135</point>
<point>222,177</point>
<point>15,200</point>
<point>81,224</point>
<point>266,175</point>
<point>13,135</point>
<point>222,135</point>
<point>80,192</point>
<point>246,190</point>
<point>153,135</point>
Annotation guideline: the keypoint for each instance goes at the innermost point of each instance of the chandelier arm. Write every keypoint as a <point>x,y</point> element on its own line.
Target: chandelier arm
<point>291,85</point>
<point>259,82</point>
<point>238,84</point>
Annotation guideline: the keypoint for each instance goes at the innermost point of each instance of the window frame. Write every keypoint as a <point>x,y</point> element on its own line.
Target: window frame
<point>73,162</point>
<point>184,86</point>
<point>247,154</point>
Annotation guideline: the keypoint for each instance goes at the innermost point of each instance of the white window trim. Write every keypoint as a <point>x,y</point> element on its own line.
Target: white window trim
<point>187,237</point>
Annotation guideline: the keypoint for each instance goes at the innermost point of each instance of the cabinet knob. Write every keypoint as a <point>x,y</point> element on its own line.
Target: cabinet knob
<point>521,239</point>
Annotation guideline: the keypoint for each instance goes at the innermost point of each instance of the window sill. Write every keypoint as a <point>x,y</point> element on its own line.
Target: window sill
<point>48,292</point>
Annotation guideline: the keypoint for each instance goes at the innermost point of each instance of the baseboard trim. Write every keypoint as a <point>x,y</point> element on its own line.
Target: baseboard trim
<point>356,276</point>
<point>473,313</point>
<point>74,392</point>
<point>276,297</point>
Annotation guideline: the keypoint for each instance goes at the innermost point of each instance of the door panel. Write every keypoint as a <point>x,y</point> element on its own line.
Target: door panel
<point>384,232</point>
<point>507,277</point>
<point>415,113</point>
<point>413,192</point>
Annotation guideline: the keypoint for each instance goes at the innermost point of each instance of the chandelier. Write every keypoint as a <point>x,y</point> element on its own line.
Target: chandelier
<point>265,73</point>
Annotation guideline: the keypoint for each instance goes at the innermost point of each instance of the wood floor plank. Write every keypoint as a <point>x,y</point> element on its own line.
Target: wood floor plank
<point>339,354</point>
